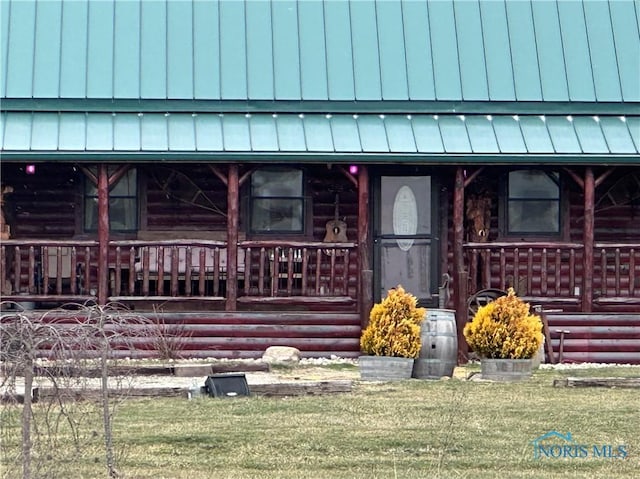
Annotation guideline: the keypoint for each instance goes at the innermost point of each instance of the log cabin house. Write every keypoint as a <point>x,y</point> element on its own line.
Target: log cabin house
<point>261,172</point>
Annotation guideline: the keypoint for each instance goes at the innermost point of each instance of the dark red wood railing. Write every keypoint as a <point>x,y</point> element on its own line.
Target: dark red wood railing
<point>43,270</point>
<point>553,271</point>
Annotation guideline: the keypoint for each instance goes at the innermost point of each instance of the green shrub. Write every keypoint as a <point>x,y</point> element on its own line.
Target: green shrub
<point>394,326</point>
<point>504,329</point>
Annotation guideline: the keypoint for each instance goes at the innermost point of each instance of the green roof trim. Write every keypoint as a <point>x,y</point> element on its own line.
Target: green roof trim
<point>308,137</point>
<point>322,50</point>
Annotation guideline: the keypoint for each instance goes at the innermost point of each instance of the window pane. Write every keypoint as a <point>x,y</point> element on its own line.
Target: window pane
<point>276,215</point>
<point>122,214</point>
<point>127,185</point>
<point>91,214</point>
<point>274,183</point>
<point>534,217</point>
<point>532,184</point>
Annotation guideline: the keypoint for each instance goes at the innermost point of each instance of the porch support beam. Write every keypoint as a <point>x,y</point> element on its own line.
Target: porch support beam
<point>365,280</point>
<point>233,190</point>
<point>103,233</point>
<point>459,274</point>
<point>588,240</point>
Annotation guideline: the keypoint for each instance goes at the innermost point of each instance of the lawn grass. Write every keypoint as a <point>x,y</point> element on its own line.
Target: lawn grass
<point>409,429</point>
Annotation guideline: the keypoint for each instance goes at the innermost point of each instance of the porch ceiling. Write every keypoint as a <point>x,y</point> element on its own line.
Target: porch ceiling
<point>319,137</point>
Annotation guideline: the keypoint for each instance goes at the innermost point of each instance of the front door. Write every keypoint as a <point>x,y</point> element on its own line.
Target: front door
<point>405,237</point>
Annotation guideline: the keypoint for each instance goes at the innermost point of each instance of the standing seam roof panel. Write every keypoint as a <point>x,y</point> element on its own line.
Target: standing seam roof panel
<point>536,134</point>
<point>317,131</point>
<point>154,133</point>
<point>590,135</point>
<point>181,130</point>
<point>206,51</point>
<point>602,50</point>
<point>209,133</point>
<point>179,50</point>
<point>73,59</point>
<point>235,133</point>
<point>127,132</point>
<point>473,71</point>
<point>418,50</point>
<point>313,55</point>
<point>100,50</point>
<point>400,134</point>
<point>4,45</point>
<point>126,54</point>
<point>524,55</point>
<point>19,76</point>
<point>393,63</point>
<point>574,38</point>
<point>340,72</point>
<point>233,51</point>
<point>427,134</point>
<point>373,135</point>
<point>344,132</point>
<point>509,135</point>
<point>46,61</point>
<point>563,134</point>
<point>263,132</point>
<point>366,60</point>
<point>153,50</point>
<point>497,53</point>
<point>617,135</point>
<point>44,131</point>
<point>99,131</point>
<point>260,54</point>
<point>290,133</point>
<point>72,132</point>
<point>444,50</point>
<point>286,51</point>
<point>481,134</point>
<point>553,76</point>
<point>625,22</point>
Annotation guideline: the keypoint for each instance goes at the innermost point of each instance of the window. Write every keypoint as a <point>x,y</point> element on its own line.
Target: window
<point>123,203</point>
<point>277,201</point>
<point>533,202</point>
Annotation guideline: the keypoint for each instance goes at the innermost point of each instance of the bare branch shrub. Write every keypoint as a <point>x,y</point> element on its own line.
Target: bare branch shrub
<point>68,357</point>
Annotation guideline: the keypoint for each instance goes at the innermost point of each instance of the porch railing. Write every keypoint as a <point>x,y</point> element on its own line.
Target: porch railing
<point>554,271</point>
<point>43,270</point>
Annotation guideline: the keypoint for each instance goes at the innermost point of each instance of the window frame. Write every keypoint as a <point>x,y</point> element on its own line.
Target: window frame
<point>303,199</point>
<point>87,197</point>
<point>505,202</point>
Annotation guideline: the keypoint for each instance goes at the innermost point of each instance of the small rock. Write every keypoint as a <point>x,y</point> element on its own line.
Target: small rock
<point>281,355</point>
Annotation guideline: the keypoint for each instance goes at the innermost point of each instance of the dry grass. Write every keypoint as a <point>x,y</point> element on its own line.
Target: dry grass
<point>411,429</point>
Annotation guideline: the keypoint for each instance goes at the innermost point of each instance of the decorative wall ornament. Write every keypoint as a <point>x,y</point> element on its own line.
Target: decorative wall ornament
<point>405,217</point>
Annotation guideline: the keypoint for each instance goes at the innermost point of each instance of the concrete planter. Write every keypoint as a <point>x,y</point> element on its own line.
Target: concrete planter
<point>384,368</point>
<point>506,369</point>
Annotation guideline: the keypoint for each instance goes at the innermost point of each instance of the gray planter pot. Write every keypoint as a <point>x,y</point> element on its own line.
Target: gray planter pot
<point>384,368</point>
<point>506,369</point>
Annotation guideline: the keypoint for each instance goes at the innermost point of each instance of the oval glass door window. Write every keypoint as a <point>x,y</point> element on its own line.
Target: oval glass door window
<point>405,217</point>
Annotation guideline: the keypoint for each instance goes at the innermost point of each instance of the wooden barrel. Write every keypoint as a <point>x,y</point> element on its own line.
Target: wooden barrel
<point>439,350</point>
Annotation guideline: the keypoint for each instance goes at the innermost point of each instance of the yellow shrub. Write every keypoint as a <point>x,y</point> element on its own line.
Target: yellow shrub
<point>394,326</point>
<point>504,329</point>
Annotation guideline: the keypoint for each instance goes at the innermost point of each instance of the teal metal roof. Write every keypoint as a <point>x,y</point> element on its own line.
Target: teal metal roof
<point>444,138</point>
<point>337,50</point>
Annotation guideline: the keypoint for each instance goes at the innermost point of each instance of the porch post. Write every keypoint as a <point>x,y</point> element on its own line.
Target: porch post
<point>587,238</point>
<point>103,234</point>
<point>459,274</point>
<point>233,189</point>
<point>365,280</point>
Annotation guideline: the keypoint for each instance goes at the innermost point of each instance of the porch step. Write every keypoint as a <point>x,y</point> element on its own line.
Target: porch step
<point>597,337</point>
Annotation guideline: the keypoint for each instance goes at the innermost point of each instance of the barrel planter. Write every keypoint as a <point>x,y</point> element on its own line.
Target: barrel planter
<point>384,368</point>
<point>506,369</point>
<point>439,345</point>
